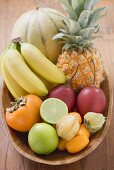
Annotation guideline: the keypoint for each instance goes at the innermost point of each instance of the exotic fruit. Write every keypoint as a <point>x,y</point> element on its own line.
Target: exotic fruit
<point>64,93</point>
<point>37,27</point>
<point>23,113</point>
<point>94,121</point>
<point>68,127</point>
<point>91,99</point>
<point>77,36</point>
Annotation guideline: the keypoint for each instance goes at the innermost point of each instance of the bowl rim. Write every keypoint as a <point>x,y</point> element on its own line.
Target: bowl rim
<point>73,159</point>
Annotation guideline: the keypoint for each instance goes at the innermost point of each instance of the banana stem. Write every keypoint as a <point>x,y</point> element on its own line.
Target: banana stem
<point>17,40</point>
<point>13,46</point>
<point>16,43</point>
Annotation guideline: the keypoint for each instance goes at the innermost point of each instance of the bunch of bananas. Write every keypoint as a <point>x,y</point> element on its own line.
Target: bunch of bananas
<point>26,70</point>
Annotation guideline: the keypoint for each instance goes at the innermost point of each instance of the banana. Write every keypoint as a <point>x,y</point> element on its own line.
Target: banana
<point>48,85</point>
<point>21,73</point>
<point>2,55</point>
<point>11,84</point>
<point>41,65</point>
<point>11,45</point>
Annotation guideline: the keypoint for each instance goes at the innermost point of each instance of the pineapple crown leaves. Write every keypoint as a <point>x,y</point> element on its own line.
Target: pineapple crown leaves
<point>75,7</point>
<point>80,25</point>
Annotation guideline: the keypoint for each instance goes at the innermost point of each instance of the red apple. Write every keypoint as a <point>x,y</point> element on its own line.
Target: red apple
<point>91,99</point>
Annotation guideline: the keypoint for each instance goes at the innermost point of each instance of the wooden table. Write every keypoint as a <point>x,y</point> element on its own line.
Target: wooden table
<point>103,157</point>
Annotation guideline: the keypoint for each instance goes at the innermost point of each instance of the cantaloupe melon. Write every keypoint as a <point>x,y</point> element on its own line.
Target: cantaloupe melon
<point>38,28</point>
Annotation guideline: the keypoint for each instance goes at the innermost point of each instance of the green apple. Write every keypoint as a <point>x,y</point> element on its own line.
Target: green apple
<point>43,138</point>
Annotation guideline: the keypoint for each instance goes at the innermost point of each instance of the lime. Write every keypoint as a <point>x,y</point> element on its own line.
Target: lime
<point>52,110</point>
<point>43,139</point>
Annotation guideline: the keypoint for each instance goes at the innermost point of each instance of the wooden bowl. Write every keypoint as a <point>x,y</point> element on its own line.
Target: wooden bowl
<point>19,140</point>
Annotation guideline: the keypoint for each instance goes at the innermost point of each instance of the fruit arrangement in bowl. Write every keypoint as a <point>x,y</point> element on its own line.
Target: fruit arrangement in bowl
<point>56,98</point>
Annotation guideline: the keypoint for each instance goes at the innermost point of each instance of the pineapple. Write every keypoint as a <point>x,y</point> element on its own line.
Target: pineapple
<point>79,59</point>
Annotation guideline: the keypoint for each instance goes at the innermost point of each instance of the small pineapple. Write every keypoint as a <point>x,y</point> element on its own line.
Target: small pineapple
<point>79,54</point>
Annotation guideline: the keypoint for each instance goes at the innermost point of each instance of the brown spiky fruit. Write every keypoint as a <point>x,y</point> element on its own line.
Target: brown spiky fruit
<point>78,50</point>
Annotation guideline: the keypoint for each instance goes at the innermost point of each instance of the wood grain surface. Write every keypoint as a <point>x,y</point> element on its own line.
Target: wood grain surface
<point>103,157</point>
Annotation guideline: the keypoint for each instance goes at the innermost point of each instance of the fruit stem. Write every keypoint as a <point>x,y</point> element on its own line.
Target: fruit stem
<point>16,43</point>
<point>21,101</point>
<point>13,46</point>
<point>94,71</point>
<point>17,40</point>
<point>37,8</point>
<point>68,83</point>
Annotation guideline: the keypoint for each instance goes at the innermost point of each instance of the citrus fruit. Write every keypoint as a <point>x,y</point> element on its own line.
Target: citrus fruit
<point>52,110</point>
<point>43,138</point>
